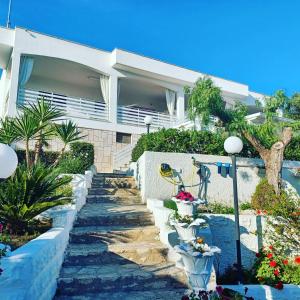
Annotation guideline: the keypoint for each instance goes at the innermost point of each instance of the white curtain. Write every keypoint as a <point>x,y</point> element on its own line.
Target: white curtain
<point>104,84</point>
<point>170,98</point>
<point>26,66</point>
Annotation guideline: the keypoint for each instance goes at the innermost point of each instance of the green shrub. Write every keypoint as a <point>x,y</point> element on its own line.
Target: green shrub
<point>83,151</point>
<point>264,195</point>
<point>72,165</point>
<point>292,151</point>
<point>28,193</point>
<point>218,208</point>
<point>245,206</point>
<point>185,141</point>
<point>47,157</point>
<point>170,204</point>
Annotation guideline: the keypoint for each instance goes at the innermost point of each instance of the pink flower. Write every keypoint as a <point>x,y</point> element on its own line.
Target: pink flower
<point>1,227</point>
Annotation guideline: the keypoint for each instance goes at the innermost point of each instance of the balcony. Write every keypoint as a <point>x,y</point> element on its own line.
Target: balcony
<point>135,117</point>
<point>73,107</point>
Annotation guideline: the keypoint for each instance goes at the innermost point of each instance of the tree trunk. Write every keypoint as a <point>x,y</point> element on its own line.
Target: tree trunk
<point>273,158</point>
<point>38,148</point>
<point>60,156</point>
<point>27,153</point>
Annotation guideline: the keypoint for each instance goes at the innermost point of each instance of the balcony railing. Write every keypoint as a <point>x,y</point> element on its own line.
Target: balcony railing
<point>73,107</point>
<point>135,117</point>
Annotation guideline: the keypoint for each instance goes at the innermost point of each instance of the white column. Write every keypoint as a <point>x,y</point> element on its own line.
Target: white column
<point>180,113</point>
<point>13,90</point>
<point>113,99</point>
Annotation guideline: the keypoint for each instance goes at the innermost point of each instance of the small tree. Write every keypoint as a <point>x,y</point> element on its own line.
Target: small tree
<point>269,138</point>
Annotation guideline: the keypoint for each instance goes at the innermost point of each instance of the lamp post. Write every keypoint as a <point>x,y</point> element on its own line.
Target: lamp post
<point>8,161</point>
<point>148,121</point>
<point>234,145</point>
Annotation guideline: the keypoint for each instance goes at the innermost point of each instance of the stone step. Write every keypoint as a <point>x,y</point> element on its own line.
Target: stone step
<point>145,253</point>
<point>111,198</point>
<point>111,175</point>
<point>113,234</point>
<point>110,278</point>
<point>96,190</point>
<point>94,214</point>
<point>175,294</point>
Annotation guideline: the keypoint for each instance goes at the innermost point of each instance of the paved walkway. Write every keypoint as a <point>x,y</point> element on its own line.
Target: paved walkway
<point>114,251</point>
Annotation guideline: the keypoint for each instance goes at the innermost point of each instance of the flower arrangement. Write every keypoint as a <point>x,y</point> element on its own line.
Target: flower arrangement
<point>274,269</point>
<point>197,246</point>
<point>187,220</point>
<point>185,196</point>
<point>219,294</point>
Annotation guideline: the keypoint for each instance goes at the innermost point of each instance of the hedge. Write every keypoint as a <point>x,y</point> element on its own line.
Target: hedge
<point>201,142</point>
<point>83,151</point>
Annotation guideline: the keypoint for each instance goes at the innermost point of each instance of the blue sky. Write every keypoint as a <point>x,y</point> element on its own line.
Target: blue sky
<point>256,42</point>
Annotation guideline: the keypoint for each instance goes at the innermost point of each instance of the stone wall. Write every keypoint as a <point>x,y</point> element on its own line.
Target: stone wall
<point>104,142</point>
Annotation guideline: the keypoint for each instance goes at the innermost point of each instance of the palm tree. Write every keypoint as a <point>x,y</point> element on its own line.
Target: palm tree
<point>7,132</point>
<point>68,133</point>
<point>44,113</point>
<point>25,128</point>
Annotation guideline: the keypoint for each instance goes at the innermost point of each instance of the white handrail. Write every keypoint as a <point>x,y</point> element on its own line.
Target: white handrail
<point>75,107</point>
<point>123,156</point>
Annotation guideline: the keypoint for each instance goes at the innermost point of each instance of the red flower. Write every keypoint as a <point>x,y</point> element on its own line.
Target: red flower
<point>297,260</point>
<point>273,264</point>
<point>285,262</point>
<point>279,286</point>
<point>185,297</point>
<point>276,272</point>
<point>264,211</point>
<point>257,254</point>
<point>270,255</point>
<point>258,211</point>
<point>271,247</point>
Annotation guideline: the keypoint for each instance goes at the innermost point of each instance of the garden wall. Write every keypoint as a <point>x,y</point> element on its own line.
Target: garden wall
<point>31,271</point>
<point>218,188</point>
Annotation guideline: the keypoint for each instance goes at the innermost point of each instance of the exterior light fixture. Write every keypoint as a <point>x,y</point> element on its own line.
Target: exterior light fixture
<point>234,145</point>
<point>148,121</point>
<point>8,161</point>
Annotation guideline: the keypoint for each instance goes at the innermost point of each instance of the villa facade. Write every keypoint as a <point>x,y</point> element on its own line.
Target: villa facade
<point>108,94</point>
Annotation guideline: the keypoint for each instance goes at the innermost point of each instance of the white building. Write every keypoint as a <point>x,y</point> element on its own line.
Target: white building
<point>107,94</point>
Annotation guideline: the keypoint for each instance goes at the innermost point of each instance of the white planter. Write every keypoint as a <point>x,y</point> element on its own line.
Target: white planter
<point>187,232</point>
<point>197,266</point>
<point>187,208</point>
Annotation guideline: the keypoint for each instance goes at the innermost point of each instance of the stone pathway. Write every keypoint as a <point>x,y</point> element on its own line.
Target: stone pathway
<point>114,251</point>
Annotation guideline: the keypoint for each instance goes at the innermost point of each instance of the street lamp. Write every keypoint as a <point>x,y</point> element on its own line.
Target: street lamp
<point>8,161</point>
<point>234,145</point>
<point>148,121</point>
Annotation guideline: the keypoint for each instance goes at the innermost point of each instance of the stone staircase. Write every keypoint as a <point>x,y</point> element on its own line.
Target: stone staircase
<point>114,251</point>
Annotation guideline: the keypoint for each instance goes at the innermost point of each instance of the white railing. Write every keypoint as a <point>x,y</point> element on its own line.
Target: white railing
<point>74,107</point>
<point>122,157</point>
<point>135,117</point>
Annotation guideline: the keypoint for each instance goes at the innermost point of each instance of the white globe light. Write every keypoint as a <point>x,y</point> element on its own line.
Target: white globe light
<point>233,145</point>
<point>8,161</point>
<point>148,120</point>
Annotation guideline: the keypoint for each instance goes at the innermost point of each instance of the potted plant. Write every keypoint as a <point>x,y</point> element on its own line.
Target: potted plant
<point>187,227</point>
<point>197,259</point>
<point>187,205</point>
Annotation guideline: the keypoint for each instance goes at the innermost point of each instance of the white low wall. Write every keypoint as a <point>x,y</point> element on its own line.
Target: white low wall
<point>31,271</point>
<point>219,187</point>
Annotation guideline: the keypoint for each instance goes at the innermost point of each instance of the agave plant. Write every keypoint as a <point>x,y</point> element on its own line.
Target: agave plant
<point>29,192</point>
<point>7,131</point>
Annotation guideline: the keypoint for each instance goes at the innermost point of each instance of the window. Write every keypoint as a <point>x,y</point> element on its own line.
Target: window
<point>123,138</point>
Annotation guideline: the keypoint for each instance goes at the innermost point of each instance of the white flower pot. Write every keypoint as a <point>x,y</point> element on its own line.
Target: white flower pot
<point>187,208</point>
<point>187,232</point>
<point>198,266</point>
